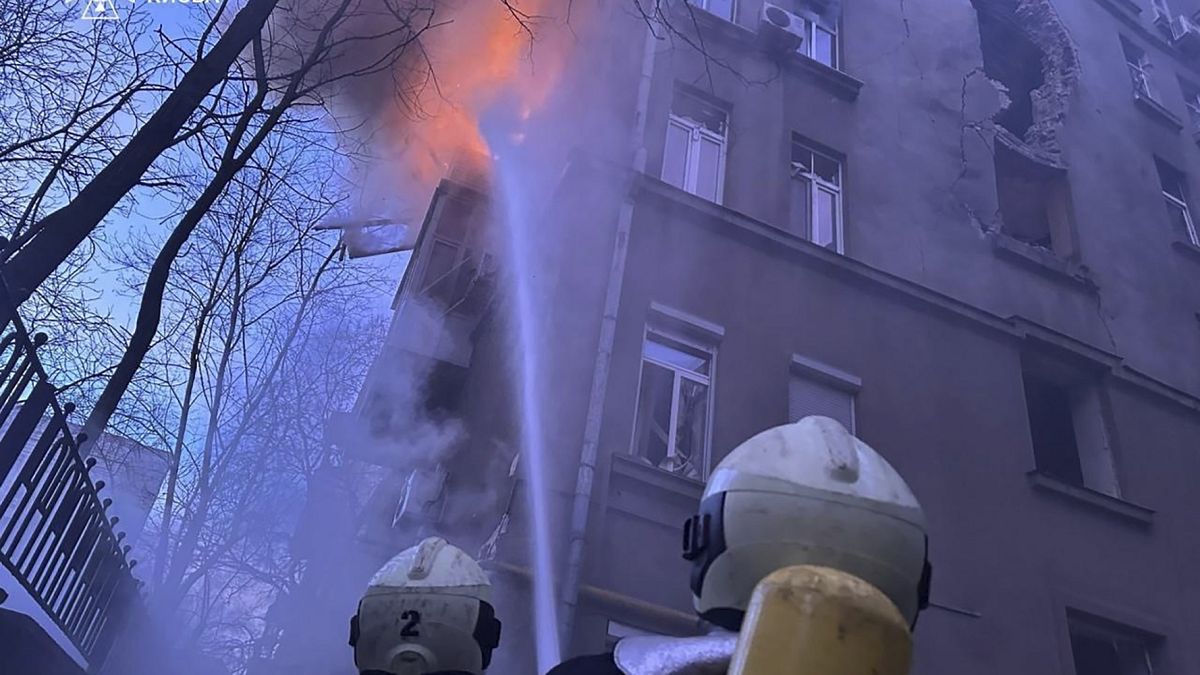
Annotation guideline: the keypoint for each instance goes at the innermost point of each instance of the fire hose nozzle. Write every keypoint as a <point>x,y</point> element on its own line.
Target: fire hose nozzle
<point>810,620</point>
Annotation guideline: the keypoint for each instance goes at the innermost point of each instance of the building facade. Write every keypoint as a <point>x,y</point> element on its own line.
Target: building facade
<point>965,229</point>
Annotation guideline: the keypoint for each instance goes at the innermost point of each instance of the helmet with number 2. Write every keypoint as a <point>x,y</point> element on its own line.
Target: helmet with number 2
<point>426,611</point>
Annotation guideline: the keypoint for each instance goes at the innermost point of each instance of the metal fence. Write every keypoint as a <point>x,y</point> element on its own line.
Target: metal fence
<point>55,535</point>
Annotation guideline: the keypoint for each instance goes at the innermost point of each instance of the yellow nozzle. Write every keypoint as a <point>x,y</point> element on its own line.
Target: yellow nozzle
<point>808,620</point>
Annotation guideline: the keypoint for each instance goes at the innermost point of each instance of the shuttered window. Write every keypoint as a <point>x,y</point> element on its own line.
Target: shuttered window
<point>817,389</point>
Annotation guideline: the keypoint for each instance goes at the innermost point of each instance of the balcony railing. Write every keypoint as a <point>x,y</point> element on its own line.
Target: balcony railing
<point>56,537</point>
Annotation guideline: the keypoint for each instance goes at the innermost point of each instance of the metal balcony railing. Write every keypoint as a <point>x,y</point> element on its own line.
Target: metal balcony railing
<point>56,537</point>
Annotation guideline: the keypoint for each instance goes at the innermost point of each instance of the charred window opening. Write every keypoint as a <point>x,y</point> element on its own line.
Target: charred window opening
<point>1067,425</point>
<point>443,391</point>
<point>1013,60</point>
<point>1035,202</point>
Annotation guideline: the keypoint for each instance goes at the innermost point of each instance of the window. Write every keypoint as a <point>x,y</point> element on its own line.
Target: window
<point>816,199</point>
<point>1191,96</point>
<point>722,8</point>
<point>1101,648</point>
<point>1139,68</point>
<point>1034,200</point>
<point>820,34</point>
<point>1067,426</point>
<point>1174,190</point>
<point>1162,12</point>
<point>817,389</point>
<point>673,405</point>
<point>694,155</point>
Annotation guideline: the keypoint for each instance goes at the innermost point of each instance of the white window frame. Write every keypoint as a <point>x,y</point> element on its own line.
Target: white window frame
<point>1191,98</point>
<point>1187,216</point>
<point>706,5</point>
<point>811,26</point>
<point>1139,72</point>
<point>816,184</point>
<point>711,352</point>
<point>697,133</point>
<point>1161,10</point>
<point>1175,202</point>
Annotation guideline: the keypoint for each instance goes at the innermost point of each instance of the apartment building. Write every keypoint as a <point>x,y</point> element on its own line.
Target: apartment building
<point>966,229</point>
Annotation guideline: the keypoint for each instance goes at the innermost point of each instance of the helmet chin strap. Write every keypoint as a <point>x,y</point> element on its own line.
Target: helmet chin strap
<point>411,659</point>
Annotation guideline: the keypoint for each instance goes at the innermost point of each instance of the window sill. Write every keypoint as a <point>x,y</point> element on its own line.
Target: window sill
<point>1125,5</point>
<point>1157,111</point>
<point>1041,261</point>
<point>628,465</point>
<point>837,82</point>
<point>1115,505</point>
<point>1187,249</point>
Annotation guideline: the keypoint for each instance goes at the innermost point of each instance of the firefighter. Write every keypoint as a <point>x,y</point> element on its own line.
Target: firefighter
<point>803,494</point>
<point>426,611</point>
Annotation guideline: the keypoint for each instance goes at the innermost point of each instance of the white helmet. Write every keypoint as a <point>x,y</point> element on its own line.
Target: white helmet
<point>427,610</point>
<point>807,493</point>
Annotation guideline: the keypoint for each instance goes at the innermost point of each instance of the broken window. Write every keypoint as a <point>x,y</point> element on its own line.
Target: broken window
<point>816,199</point>
<point>722,8</point>
<point>674,399</point>
<point>1099,648</point>
<point>1139,68</point>
<point>1013,60</point>
<point>694,154</point>
<point>1174,190</point>
<point>1067,426</point>
<point>1035,201</point>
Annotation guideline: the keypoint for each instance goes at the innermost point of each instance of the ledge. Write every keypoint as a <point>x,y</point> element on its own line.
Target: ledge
<point>1187,248</point>
<point>1041,261</point>
<point>650,192</point>
<point>836,81</point>
<point>1157,111</point>
<point>1126,5</point>
<point>625,464</point>
<point>1116,506</point>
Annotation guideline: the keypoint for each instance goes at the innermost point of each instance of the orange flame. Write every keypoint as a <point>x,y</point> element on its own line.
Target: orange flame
<point>483,54</point>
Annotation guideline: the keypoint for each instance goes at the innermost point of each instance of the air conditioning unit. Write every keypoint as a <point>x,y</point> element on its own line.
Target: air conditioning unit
<point>1185,34</point>
<point>780,30</point>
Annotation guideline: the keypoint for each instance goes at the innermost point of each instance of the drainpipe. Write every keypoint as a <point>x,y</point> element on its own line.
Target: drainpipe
<point>608,330</point>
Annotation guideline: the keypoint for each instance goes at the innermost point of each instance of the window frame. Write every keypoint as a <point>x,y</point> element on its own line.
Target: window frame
<point>812,24</point>
<point>1161,10</point>
<point>706,5</point>
<point>1173,201</point>
<point>1084,390</point>
<point>1086,625</point>
<point>710,351</point>
<point>815,185</point>
<point>1191,99</point>
<point>697,134</point>
<point>1139,70</point>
